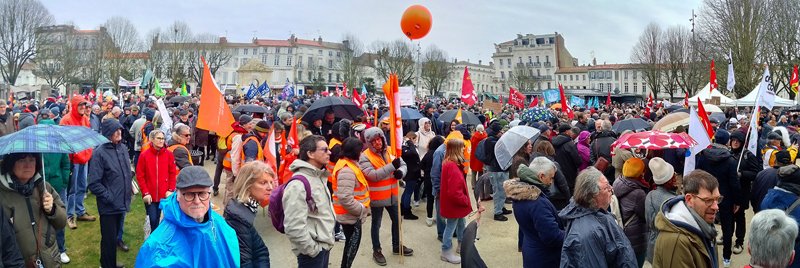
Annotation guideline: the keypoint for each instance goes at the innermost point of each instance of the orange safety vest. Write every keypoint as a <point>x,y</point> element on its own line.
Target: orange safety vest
<point>260,156</point>
<point>226,161</point>
<point>145,140</point>
<point>384,189</point>
<point>175,146</point>
<point>360,192</point>
<point>330,164</point>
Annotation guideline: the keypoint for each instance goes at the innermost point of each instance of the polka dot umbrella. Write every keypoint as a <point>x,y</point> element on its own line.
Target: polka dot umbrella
<point>653,140</point>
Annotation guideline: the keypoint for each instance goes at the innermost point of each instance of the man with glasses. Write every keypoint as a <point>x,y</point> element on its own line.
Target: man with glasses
<point>685,224</point>
<point>177,145</point>
<point>78,116</point>
<point>191,233</point>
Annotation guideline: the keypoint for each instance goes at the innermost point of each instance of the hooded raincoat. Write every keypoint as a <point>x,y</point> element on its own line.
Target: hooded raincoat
<point>594,239</point>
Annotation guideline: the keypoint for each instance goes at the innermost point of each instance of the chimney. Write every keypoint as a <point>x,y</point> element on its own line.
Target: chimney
<point>223,40</point>
<point>594,61</point>
<point>479,62</point>
<point>320,40</point>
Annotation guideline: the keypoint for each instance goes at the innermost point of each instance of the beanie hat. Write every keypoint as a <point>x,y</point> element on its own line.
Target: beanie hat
<point>633,168</point>
<point>662,171</point>
<point>738,135</point>
<point>244,119</point>
<point>55,110</point>
<point>32,108</point>
<point>262,126</point>
<point>149,114</point>
<point>722,136</point>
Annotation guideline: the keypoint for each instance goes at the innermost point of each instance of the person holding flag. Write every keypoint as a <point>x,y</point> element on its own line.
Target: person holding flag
<point>232,161</point>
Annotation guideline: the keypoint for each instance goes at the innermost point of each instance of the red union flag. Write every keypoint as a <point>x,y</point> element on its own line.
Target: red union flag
<point>795,81</point>
<point>516,98</point>
<point>467,90</point>
<point>564,104</point>
<point>713,78</point>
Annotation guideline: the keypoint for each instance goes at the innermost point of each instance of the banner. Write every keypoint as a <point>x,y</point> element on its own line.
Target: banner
<point>577,101</point>
<point>766,93</point>
<point>125,83</point>
<point>551,95</point>
<point>406,96</point>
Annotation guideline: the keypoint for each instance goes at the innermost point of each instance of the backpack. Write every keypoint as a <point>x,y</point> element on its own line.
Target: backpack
<point>481,154</point>
<point>276,202</point>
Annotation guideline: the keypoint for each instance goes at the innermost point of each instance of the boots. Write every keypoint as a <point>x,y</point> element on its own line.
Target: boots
<point>450,256</point>
<point>408,215</point>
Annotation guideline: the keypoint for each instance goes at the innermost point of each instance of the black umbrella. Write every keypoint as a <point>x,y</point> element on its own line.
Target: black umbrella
<point>674,108</point>
<point>251,108</point>
<point>795,108</point>
<point>467,117</point>
<point>469,253</point>
<point>341,107</point>
<point>179,99</point>
<point>406,114</point>
<point>635,124</point>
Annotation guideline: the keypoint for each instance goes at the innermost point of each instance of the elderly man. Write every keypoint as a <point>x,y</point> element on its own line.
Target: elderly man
<point>6,120</point>
<point>181,134</point>
<point>191,234</point>
<point>685,224</point>
<point>95,118</point>
<point>110,181</point>
<point>593,237</point>
<point>772,236</point>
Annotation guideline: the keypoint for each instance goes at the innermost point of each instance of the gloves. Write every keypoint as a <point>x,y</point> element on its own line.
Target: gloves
<point>398,174</point>
<point>396,163</point>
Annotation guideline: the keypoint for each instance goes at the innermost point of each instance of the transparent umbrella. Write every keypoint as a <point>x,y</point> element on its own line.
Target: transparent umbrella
<point>510,143</point>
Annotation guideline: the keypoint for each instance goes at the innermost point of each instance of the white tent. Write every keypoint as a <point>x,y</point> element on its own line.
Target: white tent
<point>705,95</point>
<point>750,100</point>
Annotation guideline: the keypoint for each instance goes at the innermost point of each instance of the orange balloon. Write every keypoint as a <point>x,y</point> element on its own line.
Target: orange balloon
<point>416,22</point>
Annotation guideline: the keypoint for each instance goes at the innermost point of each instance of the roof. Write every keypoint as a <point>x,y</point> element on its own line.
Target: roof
<point>615,66</point>
<point>133,55</point>
<point>462,63</point>
<point>579,69</point>
<point>273,43</point>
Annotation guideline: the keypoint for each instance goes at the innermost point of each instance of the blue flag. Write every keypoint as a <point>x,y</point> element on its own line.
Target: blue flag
<point>263,89</point>
<point>288,90</point>
<point>363,90</point>
<point>251,92</point>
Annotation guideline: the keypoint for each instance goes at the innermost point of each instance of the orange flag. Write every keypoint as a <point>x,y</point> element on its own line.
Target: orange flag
<point>214,113</point>
<point>392,91</point>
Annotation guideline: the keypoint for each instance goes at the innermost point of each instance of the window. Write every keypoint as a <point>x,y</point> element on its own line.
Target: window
<point>330,76</point>
<point>609,86</point>
<point>608,75</point>
<point>616,75</point>
<point>520,59</point>
<point>277,60</point>
<point>501,62</point>
<point>634,75</point>
<point>538,72</point>
<point>338,54</point>
<point>537,59</point>
<point>570,78</point>
<point>246,50</point>
<point>338,77</point>
<point>289,50</point>
<point>502,75</point>
<point>330,63</point>
<point>330,53</point>
<point>644,87</point>
<point>299,61</point>
<point>530,60</point>
<point>601,86</point>
<point>264,50</point>
<point>277,50</point>
<point>299,76</point>
<point>310,76</point>
<point>626,87</point>
<point>547,58</point>
<point>289,61</point>
<point>264,59</point>
<point>626,74</point>
<point>320,52</point>
<point>548,85</point>
<point>635,85</point>
<point>584,77</point>
<point>310,64</point>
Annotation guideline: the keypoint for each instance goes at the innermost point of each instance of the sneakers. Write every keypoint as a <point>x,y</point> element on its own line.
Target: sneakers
<point>507,211</point>
<point>416,204</point>
<point>406,251</point>
<point>86,217</point>
<point>379,258</point>
<point>737,249</point>
<point>500,217</point>
<point>64,258</point>
<point>449,256</point>
<point>340,237</point>
<point>726,263</point>
<point>71,223</point>
<point>429,221</point>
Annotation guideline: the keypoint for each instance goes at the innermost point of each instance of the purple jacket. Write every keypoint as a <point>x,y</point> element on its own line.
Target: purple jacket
<point>583,149</point>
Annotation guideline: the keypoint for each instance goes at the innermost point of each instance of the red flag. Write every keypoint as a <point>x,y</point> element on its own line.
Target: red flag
<point>701,112</point>
<point>564,104</point>
<point>214,113</point>
<point>649,104</point>
<point>467,90</point>
<point>344,89</point>
<point>391,90</point>
<point>608,99</point>
<point>338,91</point>
<point>501,100</point>
<point>293,141</point>
<point>516,98</point>
<point>713,78</point>
<point>794,83</point>
<point>686,99</point>
<point>357,99</point>
<point>534,102</point>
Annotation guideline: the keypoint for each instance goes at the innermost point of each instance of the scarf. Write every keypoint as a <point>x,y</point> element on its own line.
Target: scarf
<point>25,189</point>
<point>251,204</point>
<point>708,229</point>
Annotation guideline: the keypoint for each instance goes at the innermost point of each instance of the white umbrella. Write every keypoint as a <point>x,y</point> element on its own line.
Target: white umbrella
<point>510,143</point>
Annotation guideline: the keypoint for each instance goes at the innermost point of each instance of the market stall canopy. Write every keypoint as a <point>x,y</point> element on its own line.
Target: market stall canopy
<point>708,96</point>
<point>750,100</point>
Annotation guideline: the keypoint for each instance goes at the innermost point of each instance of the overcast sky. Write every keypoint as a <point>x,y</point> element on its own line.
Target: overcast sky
<point>465,29</point>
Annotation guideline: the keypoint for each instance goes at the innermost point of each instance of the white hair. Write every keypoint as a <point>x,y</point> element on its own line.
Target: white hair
<point>772,236</point>
<point>542,165</point>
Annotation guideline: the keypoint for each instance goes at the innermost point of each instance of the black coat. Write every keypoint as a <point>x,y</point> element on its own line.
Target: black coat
<point>11,256</point>
<point>748,170</point>
<point>765,180</point>
<point>110,174</point>
<point>489,145</point>
<point>254,252</point>
<point>601,146</point>
<point>411,157</point>
<point>719,162</point>
<point>568,158</point>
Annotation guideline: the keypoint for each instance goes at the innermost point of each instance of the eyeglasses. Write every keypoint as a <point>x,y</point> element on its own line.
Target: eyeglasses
<point>160,138</point>
<point>323,149</point>
<point>190,196</point>
<point>186,135</point>
<point>709,200</point>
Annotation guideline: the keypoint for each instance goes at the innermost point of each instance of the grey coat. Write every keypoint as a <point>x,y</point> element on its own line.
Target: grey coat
<point>652,204</point>
<point>379,174</point>
<point>346,182</point>
<point>594,239</point>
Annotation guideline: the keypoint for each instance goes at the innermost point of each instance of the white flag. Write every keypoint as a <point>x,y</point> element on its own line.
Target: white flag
<point>766,93</point>
<point>752,144</point>
<point>698,132</point>
<point>731,78</point>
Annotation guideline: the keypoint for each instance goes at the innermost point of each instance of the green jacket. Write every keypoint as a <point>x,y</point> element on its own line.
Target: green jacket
<point>57,167</point>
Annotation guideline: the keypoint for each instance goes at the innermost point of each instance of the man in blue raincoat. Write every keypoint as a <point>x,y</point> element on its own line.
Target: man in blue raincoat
<point>191,234</point>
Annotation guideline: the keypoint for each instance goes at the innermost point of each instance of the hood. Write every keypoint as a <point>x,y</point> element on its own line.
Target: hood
<point>109,126</point>
<point>73,105</point>
<point>784,135</point>
<point>305,167</point>
<point>173,213</point>
<point>716,153</point>
<point>517,190</point>
<point>47,122</point>
<point>372,133</point>
<point>421,123</point>
<point>624,186</point>
<point>529,176</point>
<point>584,137</point>
<point>574,211</point>
<point>560,140</point>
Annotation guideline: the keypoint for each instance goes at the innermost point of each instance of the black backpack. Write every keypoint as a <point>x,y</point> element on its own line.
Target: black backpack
<point>482,154</point>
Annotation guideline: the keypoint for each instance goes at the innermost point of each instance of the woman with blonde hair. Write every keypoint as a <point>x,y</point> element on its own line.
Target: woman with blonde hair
<point>251,190</point>
<point>455,203</point>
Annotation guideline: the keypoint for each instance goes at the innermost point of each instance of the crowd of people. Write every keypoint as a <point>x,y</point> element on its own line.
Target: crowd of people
<point>577,200</point>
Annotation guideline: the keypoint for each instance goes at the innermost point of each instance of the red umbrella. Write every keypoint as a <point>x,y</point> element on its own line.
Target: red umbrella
<point>654,140</point>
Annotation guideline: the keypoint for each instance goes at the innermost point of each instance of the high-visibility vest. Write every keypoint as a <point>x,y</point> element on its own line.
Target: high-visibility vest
<point>383,189</point>
<point>145,140</point>
<point>260,155</point>
<point>226,161</point>
<point>331,164</point>
<point>360,191</point>
<point>175,146</point>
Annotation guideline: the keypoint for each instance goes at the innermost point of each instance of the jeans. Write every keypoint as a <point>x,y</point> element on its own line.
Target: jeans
<point>60,239</point>
<point>453,225</point>
<point>440,224</point>
<point>121,227</point>
<point>417,190</point>
<point>154,213</point>
<point>499,196</point>
<point>321,260</point>
<point>377,216</point>
<point>405,199</point>
<point>77,190</point>
<point>109,227</point>
<point>353,234</point>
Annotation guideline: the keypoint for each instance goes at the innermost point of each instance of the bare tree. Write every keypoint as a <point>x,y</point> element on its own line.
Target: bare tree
<point>395,57</point>
<point>208,46</point>
<point>435,69</point>
<point>120,60</point>
<point>56,57</point>
<point>676,45</point>
<point>648,53</point>
<point>781,49</point>
<point>352,70</point>
<point>523,78</point>
<point>172,46</point>
<point>737,25</point>
<point>18,22</point>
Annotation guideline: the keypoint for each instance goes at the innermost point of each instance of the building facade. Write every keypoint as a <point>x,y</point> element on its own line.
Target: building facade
<point>482,77</point>
<point>529,62</point>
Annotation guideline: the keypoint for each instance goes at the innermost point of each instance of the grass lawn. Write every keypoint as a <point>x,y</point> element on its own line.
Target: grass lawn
<point>83,244</point>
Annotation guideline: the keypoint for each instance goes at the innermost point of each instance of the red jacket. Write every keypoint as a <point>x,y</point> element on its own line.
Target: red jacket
<point>453,194</point>
<point>75,119</point>
<point>474,163</point>
<point>156,173</point>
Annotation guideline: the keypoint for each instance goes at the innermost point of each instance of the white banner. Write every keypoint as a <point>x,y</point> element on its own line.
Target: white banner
<point>698,132</point>
<point>406,96</point>
<point>125,83</point>
<point>731,77</point>
<point>766,93</point>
